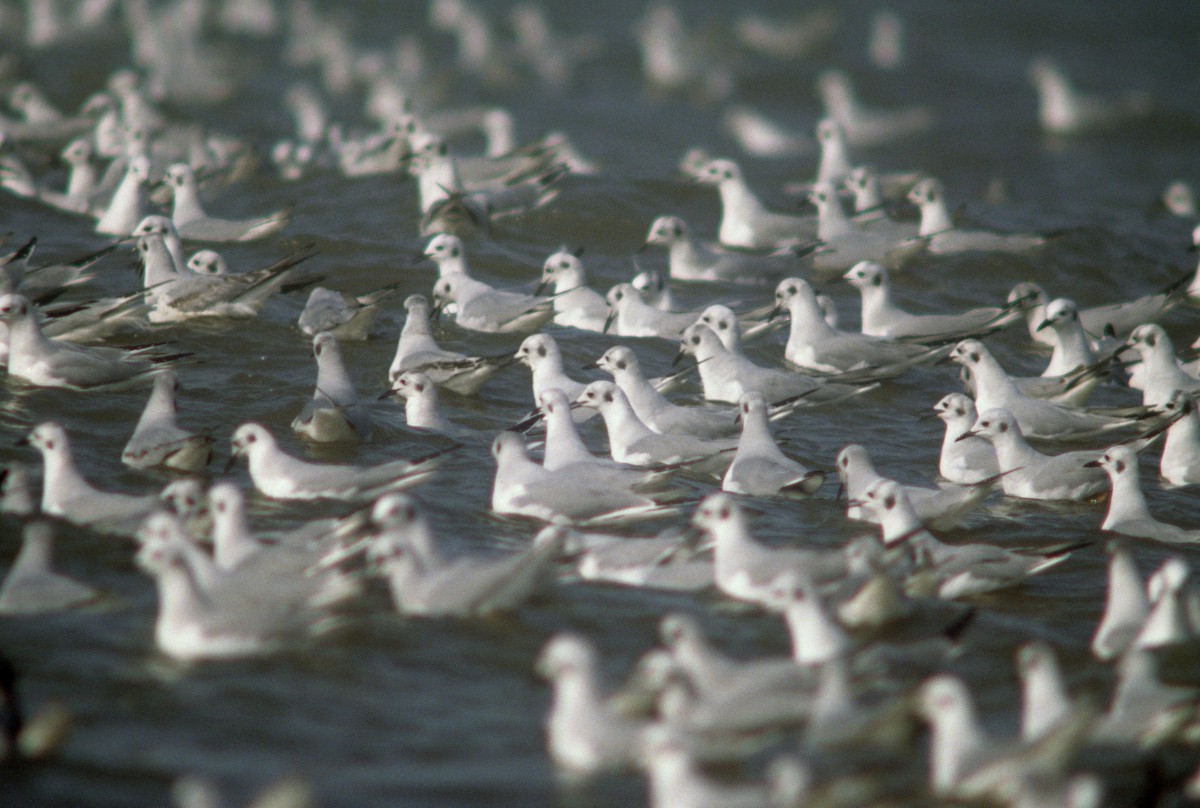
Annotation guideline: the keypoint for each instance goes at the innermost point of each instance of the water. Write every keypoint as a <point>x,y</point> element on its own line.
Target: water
<point>384,710</point>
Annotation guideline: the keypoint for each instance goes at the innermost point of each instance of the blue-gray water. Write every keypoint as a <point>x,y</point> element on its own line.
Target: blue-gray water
<point>386,711</point>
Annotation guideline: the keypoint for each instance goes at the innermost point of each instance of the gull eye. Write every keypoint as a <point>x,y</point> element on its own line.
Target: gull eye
<point>706,318</point>
<point>251,438</point>
<point>845,462</point>
<point>50,444</point>
<point>696,340</point>
<point>220,506</point>
<point>746,407</point>
<point>985,424</point>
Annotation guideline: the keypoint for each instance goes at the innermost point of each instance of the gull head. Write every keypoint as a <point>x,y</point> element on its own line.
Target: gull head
<point>717,511</point>
<point>677,629</point>
<point>889,502</point>
<point>926,192</point>
<point>751,403</point>
<point>77,152</point>
<point>1117,462</point>
<point>1059,310</point>
<point>412,384</point>
<point>941,697</point>
<point>185,497</point>
<point>719,171</point>
<point>1177,405</point>
<point>208,262</point>
<point>618,359</point>
<point>851,461</point>
<point>619,296</point>
<point>554,401</point>
<point>789,291</point>
<point>538,349</point>
<point>1149,338</point>
<point>867,275</point>
<point>444,247</point>
<point>248,437</point>
<point>829,132</point>
<point>179,176</point>
<point>667,230</point>
<point>225,499</point>
<point>1034,659</point>
<point>599,395</point>
<point>48,437</point>
<point>719,318</point>
<point>968,353</point>
<point>566,655</point>
<point>822,195</point>
<point>508,444</point>
<point>161,536</point>
<point>416,305</point>
<point>564,265</point>
<point>955,407</point>
<point>156,225</point>
<point>996,423</point>
<point>14,308</point>
<point>1027,295</point>
<point>650,283</point>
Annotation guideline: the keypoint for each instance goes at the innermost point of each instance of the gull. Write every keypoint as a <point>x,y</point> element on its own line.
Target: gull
<point>16,493</point>
<point>676,781</point>
<point>481,307</point>
<point>748,570</point>
<point>421,410</point>
<point>1179,463</point>
<point>48,281</point>
<point>689,259</point>
<point>1144,710</point>
<point>727,376</point>
<point>865,126</point>
<point>869,207</point>
<point>345,316</point>
<point>717,677</point>
<point>792,37</point>
<point>939,236</point>
<point>815,345</point>
<point>632,316</point>
<point>881,317</point>
<point>32,586</point>
<point>654,409</point>
<point>69,496</point>
<point>669,562</point>
<point>1169,621</point>
<point>192,624</point>
<point>279,475</point>
<point>583,733</point>
<point>572,494</point>
<point>163,226</point>
<point>745,221</point>
<point>1044,700</point>
<point>46,362</point>
<point>956,570</point>
<point>653,288</point>
<point>842,244</point>
<point>159,441</point>
<point>94,320</point>
<point>204,288</point>
<point>1029,474</point>
<point>631,441</point>
<point>252,569</point>
<point>190,218</point>
<point>424,582</point>
<point>758,467</point>
<point>16,177</point>
<point>1038,418</point>
<point>1127,510</point>
<point>575,304</point>
<point>450,370</point>
<point>1063,110</point>
<point>1074,369</point>
<point>942,508</point>
<point>816,637</point>
<point>1161,373</point>
<point>964,763</point>
<point>128,204</point>
<point>1097,321</point>
<point>334,412</point>
<point>1126,605</point>
<point>759,135</point>
<point>963,461</point>
<point>540,353</point>
<point>565,449</point>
